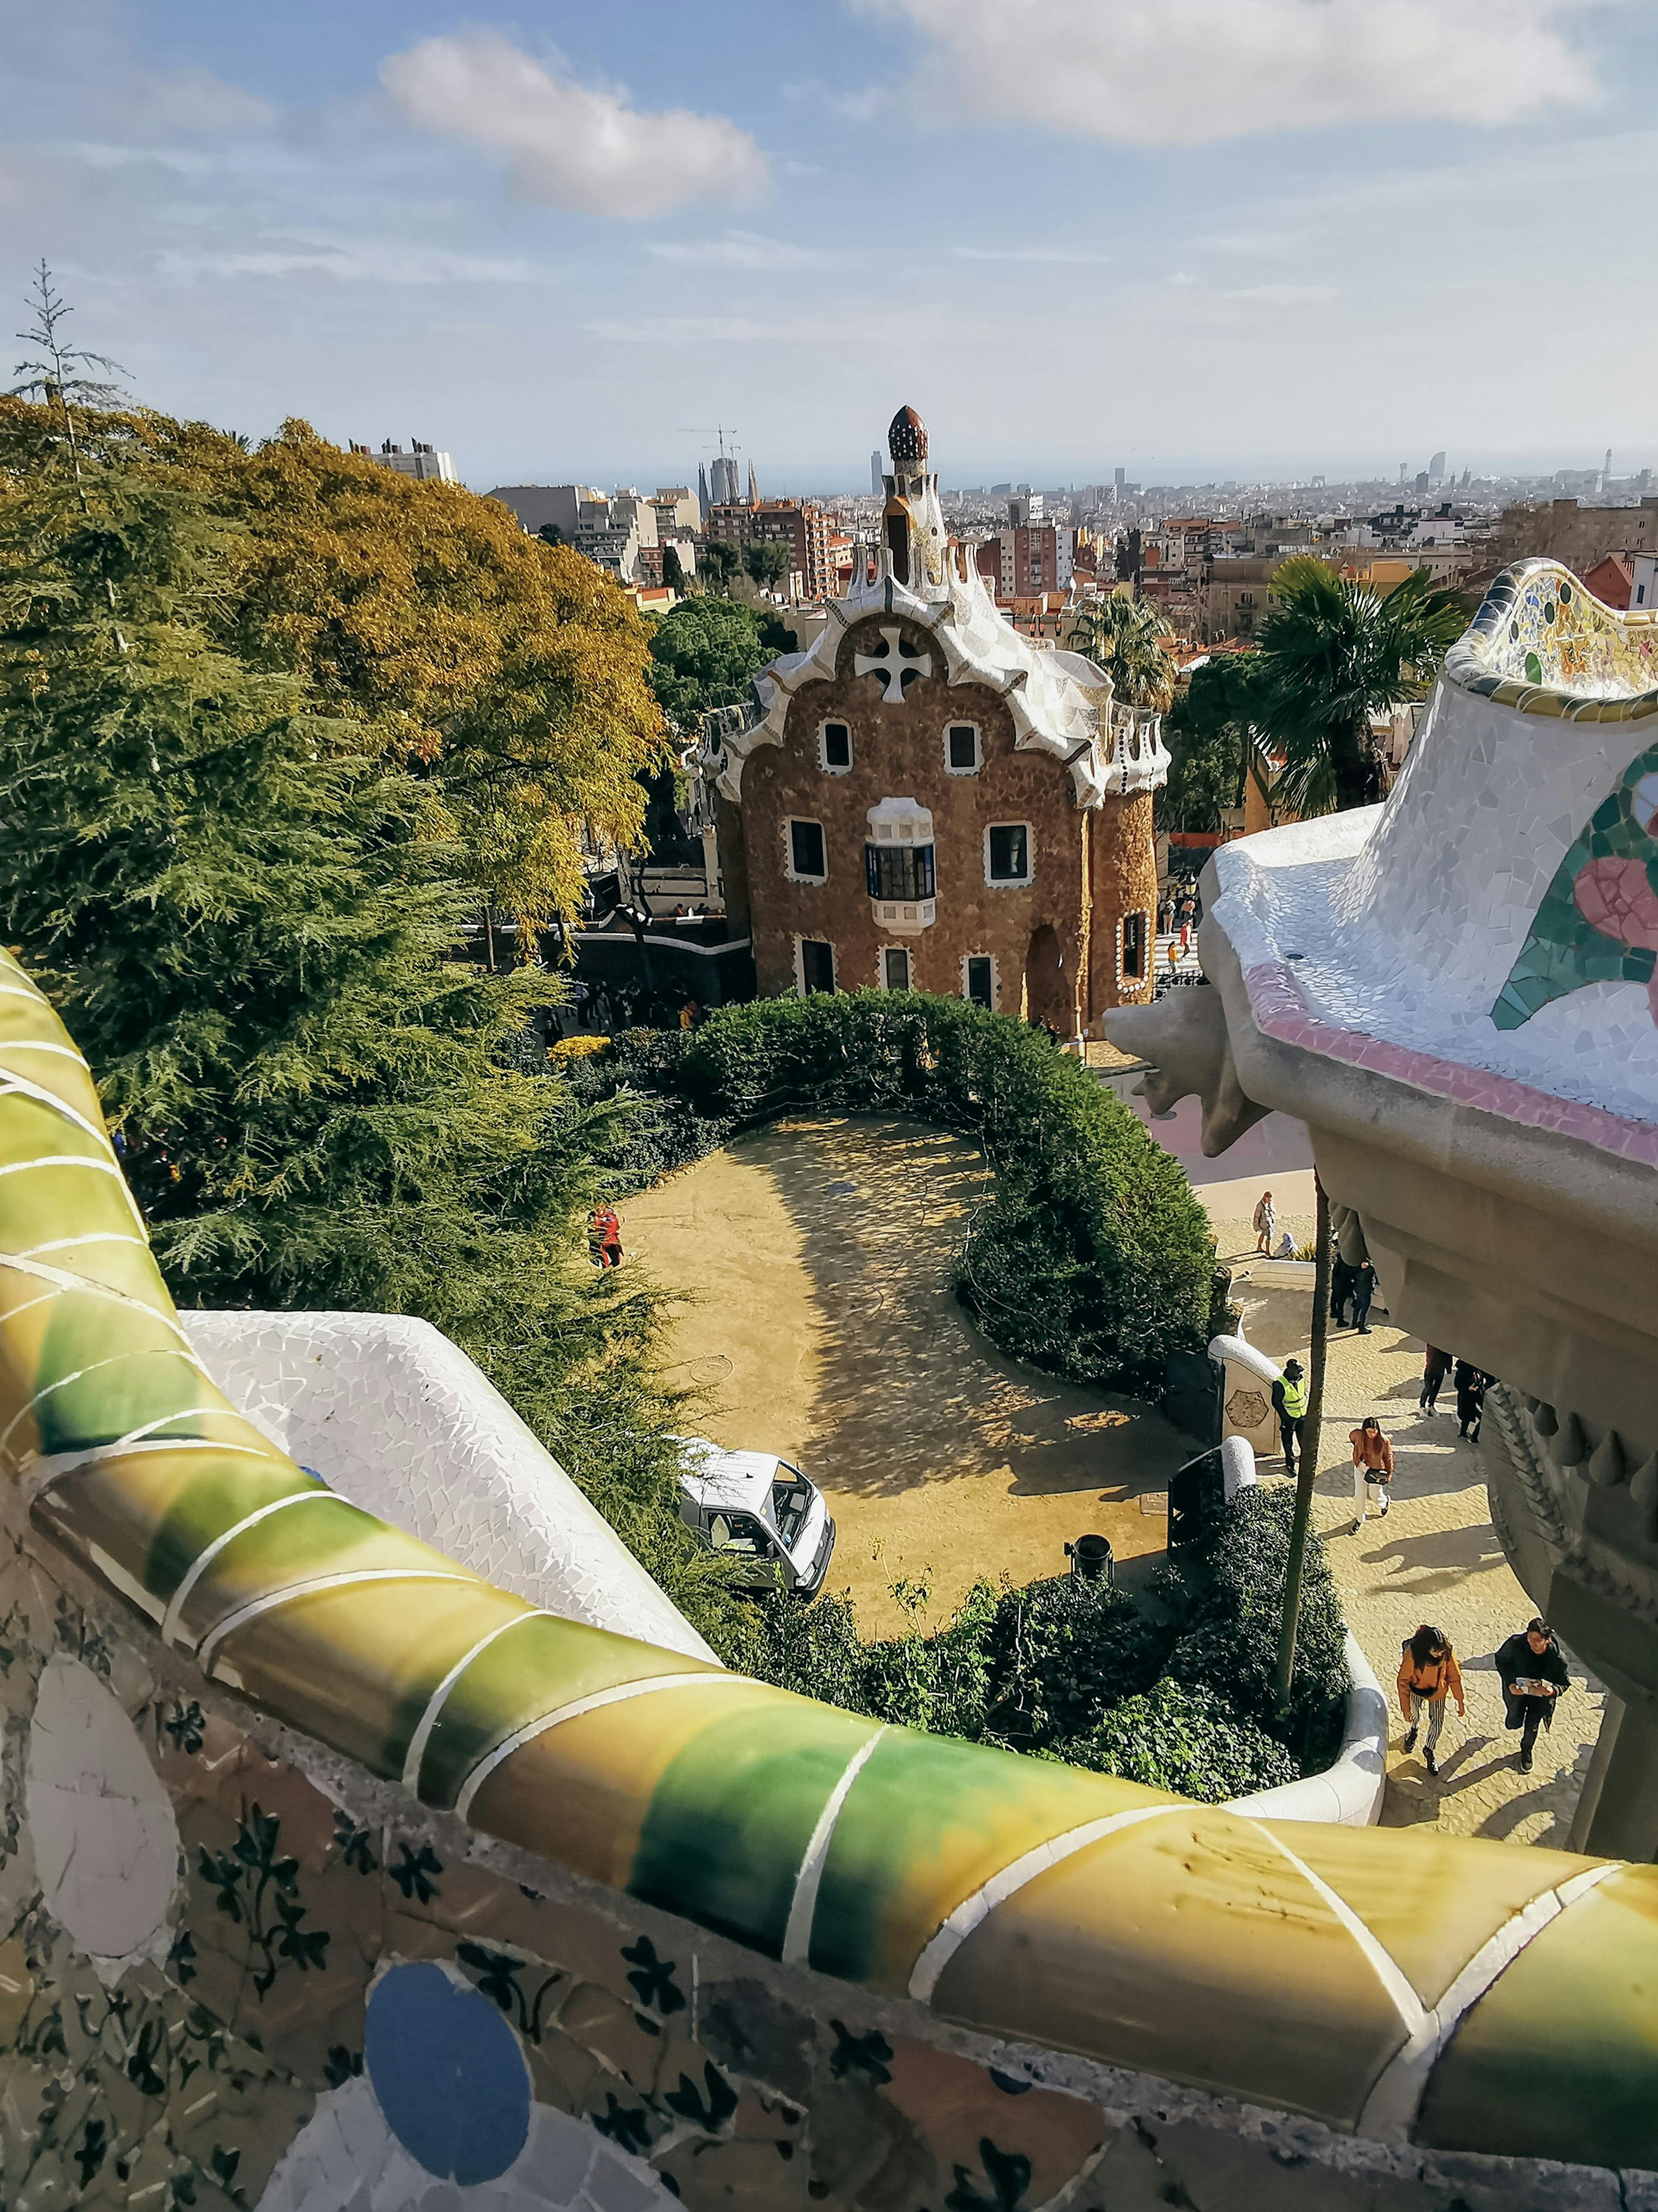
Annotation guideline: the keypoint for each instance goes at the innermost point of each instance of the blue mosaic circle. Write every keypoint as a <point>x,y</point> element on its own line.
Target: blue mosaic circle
<point>448,2074</point>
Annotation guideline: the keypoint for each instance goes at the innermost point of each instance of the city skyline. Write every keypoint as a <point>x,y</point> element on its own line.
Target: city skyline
<point>1188,259</point>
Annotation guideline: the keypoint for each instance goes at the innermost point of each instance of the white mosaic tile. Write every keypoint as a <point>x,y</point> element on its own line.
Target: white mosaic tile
<point>106,1842</point>
<point>1409,917</point>
<point>395,1417</point>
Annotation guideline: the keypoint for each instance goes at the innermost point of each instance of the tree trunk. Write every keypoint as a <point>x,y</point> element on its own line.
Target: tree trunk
<point>1356,765</point>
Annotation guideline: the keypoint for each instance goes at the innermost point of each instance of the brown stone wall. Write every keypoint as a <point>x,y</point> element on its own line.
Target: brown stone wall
<point>898,753</point>
<point>1124,870</point>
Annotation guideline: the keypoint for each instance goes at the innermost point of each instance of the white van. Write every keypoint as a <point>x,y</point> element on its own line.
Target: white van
<point>757,1509</point>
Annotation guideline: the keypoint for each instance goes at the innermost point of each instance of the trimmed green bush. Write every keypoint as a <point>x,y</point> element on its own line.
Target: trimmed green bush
<point>1186,1741</point>
<point>1092,1259</point>
<point>1075,1671</point>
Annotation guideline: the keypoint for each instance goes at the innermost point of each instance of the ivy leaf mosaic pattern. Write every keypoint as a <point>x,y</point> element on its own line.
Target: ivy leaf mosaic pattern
<point>1006,2179</point>
<point>356,1843</point>
<point>186,1725</point>
<point>652,1978</point>
<point>413,1873</point>
<point>860,2057</point>
<point>260,1890</point>
<point>688,2101</point>
<point>1597,921</point>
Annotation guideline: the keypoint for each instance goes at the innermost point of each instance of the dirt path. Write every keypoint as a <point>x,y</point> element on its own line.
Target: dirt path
<point>819,1254</point>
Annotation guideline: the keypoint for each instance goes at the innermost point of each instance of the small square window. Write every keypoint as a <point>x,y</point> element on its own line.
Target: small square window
<point>962,748</point>
<point>1007,852</point>
<point>816,965</point>
<point>894,967</point>
<point>834,742</point>
<point>979,980</point>
<point>807,859</point>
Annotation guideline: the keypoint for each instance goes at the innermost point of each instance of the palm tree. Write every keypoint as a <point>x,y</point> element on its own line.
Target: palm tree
<point>1124,637</point>
<point>1333,652</point>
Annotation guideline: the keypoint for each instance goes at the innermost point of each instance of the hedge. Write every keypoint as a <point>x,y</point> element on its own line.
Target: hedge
<point>1092,1259</point>
<point>1075,1670</point>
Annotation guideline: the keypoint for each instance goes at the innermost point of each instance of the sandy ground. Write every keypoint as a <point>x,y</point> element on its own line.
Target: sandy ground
<point>1435,1557</point>
<point>823,1328</point>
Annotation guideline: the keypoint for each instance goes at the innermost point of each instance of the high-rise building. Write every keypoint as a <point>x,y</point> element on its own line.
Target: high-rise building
<point>875,473</point>
<point>703,500</point>
<point>1118,478</point>
<point>727,483</point>
<point>424,463</point>
<point>801,524</point>
<point>754,486</point>
<point>1437,469</point>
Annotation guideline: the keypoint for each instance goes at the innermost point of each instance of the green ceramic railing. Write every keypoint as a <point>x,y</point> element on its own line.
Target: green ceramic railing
<point>1459,1993</point>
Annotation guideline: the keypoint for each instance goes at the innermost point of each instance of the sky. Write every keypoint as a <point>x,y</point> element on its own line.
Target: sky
<point>1194,238</point>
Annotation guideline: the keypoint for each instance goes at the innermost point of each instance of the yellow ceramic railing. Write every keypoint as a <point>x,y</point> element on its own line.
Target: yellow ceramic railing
<point>1460,1994</point>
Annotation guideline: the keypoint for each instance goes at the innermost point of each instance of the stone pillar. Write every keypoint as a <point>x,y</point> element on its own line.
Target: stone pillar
<point>1616,1816</point>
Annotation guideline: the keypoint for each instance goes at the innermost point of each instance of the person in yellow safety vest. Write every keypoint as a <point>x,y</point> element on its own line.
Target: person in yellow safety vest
<point>1290,1403</point>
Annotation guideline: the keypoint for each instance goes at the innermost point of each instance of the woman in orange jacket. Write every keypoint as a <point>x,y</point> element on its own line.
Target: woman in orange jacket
<point>1428,1674</point>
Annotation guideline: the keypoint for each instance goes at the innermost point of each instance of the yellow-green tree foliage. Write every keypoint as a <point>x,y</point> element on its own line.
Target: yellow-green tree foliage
<point>517,670</point>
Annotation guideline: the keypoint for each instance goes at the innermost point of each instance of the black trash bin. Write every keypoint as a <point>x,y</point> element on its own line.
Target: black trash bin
<point>1091,1560</point>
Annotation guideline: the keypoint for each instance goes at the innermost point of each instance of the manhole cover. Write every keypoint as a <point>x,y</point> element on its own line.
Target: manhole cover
<point>841,1189</point>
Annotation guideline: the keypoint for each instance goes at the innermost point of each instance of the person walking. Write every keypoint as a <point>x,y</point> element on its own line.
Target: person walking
<point>1435,1367</point>
<point>1266,1221</point>
<point>1533,1674</point>
<point>1373,1470</point>
<point>1428,1676</point>
<point>1289,1395</point>
<point>605,1235</point>
<point>1364,1291</point>
<point>1470,1387</point>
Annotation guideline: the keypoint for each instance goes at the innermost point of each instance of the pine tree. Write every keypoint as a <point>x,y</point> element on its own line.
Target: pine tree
<point>243,916</point>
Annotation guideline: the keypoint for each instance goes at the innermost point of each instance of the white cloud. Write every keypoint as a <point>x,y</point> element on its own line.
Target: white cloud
<point>1064,256</point>
<point>1163,72</point>
<point>394,262</point>
<point>569,144</point>
<point>738,249</point>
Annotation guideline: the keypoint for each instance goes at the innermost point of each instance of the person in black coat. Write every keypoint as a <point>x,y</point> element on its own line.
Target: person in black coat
<point>1364,1291</point>
<point>1341,1289</point>
<point>1533,1674</point>
<point>1470,1387</point>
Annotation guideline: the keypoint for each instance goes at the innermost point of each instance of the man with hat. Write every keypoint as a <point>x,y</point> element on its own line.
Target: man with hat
<point>1290,1403</point>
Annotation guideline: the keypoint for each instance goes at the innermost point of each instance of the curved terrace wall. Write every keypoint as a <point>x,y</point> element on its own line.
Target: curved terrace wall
<point>328,1867</point>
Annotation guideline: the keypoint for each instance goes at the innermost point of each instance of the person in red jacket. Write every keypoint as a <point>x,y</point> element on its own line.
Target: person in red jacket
<point>605,1235</point>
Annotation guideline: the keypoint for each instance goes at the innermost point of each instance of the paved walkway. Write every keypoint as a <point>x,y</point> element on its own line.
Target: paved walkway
<point>1435,1558</point>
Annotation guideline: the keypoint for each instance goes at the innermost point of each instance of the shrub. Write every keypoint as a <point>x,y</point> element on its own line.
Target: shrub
<point>577,1046</point>
<point>1092,1258</point>
<point>1229,1638</point>
<point>1185,1740</point>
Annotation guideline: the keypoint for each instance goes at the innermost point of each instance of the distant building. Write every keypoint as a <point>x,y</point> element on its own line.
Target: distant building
<point>1643,583</point>
<point>924,799</point>
<point>703,500</point>
<point>1437,469</point>
<point>725,488</point>
<point>801,524</point>
<point>1579,536</point>
<point>537,505</point>
<point>1028,559</point>
<point>875,475</point>
<point>754,486</point>
<point>424,463</point>
<point>676,510</point>
<point>1613,581</point>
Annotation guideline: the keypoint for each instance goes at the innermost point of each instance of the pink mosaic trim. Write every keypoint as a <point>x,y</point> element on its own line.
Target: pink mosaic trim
<point>1281,1012</point>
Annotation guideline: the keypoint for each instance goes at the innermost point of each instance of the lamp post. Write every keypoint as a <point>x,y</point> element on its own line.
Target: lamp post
<point>1307,1475</point>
